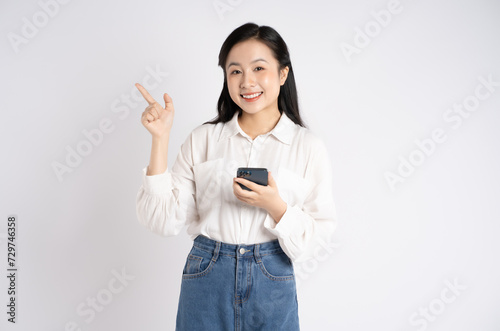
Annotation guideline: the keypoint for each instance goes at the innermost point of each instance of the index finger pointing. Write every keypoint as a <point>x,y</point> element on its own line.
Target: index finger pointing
<point>145,94</point>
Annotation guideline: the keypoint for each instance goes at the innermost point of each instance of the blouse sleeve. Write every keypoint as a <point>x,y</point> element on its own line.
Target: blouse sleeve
<point>303,230</point>
<point>166,202</point>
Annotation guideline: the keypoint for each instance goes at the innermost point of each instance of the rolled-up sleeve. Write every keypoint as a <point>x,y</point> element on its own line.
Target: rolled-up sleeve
<point>166,202</point>
<point>304,229</point>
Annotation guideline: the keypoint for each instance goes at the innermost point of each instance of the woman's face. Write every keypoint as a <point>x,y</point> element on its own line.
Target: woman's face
<point>253,79</point>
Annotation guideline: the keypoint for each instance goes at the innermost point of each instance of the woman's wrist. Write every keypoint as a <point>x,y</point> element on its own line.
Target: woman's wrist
<point>278,210</point>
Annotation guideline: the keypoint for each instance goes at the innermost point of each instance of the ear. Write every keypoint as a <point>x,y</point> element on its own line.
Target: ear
<point>283,75</point>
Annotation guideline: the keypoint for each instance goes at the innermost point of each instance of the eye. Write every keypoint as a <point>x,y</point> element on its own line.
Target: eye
<point>260,68</point>
<point>235,72</point>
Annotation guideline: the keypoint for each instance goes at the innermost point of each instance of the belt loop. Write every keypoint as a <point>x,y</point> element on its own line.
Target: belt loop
<point>216,251</point>
<point>256,253</point>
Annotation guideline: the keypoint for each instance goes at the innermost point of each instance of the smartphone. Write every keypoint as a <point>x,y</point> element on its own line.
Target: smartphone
<point>256,175</point>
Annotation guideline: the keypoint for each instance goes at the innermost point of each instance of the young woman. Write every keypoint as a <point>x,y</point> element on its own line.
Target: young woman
<point>239,274</point>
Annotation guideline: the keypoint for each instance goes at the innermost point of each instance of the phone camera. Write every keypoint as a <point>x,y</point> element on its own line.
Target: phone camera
<point>242,173</point>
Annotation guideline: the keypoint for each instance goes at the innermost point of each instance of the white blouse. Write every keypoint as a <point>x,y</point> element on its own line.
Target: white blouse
<point>198,190</point>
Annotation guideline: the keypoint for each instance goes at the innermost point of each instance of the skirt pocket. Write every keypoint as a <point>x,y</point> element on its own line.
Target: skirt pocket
<point>198,263</point>
<point>277,267</point>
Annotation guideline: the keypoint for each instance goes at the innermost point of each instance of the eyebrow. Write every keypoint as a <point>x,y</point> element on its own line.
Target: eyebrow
<point>237,64</point>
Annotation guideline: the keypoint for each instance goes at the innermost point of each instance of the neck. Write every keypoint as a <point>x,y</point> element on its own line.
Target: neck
<point>259,123</point>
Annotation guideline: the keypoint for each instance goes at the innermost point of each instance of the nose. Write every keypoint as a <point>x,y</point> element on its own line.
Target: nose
<point>247,80</point>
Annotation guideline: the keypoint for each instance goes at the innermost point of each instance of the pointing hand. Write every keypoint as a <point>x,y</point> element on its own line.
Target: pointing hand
<point>157,120</point>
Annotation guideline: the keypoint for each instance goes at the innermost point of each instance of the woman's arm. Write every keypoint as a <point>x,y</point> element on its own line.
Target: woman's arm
<point>166,201</point>
<point>158,160</point>
<point>306,228</point>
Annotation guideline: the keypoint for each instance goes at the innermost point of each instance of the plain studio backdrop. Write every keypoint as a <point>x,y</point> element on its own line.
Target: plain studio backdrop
<point>406,95</point>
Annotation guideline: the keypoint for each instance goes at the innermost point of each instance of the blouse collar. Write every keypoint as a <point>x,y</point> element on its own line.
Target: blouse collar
<point>283,130</point>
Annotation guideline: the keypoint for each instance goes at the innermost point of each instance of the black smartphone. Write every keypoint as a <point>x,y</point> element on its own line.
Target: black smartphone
<point>256,175</point>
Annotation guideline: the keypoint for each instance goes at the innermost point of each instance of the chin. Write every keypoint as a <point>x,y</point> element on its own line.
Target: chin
<point>251,112</point>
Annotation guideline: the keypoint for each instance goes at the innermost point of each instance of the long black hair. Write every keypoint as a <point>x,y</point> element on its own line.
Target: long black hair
<point>287,99</point>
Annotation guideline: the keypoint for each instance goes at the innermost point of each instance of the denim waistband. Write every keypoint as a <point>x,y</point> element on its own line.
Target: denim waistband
<point>240,250</point>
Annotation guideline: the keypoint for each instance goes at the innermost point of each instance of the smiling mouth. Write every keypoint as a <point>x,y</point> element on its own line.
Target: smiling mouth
<point>251,97</point>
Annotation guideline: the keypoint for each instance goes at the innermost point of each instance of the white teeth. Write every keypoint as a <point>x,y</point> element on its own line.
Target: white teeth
<point>250,96</point>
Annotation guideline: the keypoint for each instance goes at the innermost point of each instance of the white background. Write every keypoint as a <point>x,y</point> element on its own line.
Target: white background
<point>395,249</point>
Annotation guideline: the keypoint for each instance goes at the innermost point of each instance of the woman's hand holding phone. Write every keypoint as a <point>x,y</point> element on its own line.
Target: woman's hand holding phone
<point>266,197</point>
<point>157,120</point>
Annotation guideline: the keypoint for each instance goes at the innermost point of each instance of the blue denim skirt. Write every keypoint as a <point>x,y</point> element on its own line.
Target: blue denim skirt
<point>237,287</point>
